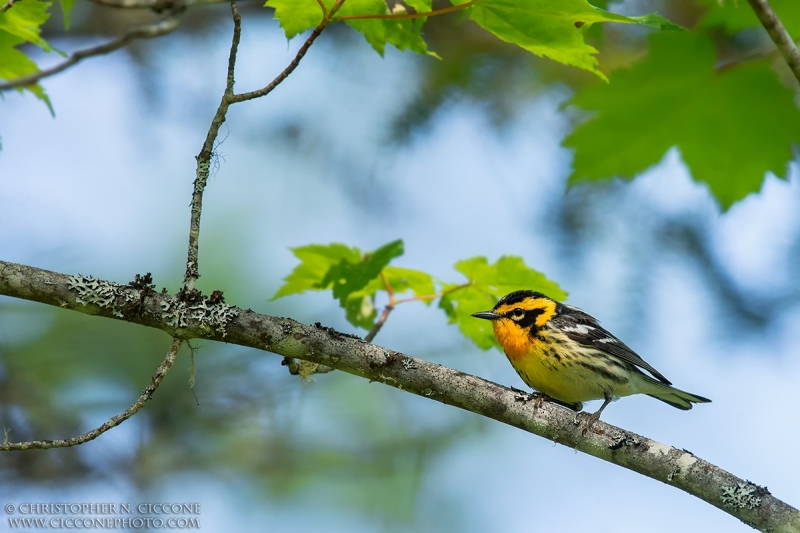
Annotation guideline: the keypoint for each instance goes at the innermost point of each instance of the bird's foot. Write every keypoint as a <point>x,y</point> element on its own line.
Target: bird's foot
<point>589,419</point>
<point>586,420</point>
<point>536,397</point>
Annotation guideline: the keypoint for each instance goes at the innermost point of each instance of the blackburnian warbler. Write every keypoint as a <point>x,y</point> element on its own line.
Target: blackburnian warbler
<point>566,355</point>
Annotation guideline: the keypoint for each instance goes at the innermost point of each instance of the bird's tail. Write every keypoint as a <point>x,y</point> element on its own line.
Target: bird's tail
<point>668,394</point>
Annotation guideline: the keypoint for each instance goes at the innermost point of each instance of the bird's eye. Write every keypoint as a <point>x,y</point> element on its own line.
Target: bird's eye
<point>518,313</point>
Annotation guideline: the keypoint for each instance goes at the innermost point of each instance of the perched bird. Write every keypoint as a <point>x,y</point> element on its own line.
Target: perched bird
<point>566,355</point>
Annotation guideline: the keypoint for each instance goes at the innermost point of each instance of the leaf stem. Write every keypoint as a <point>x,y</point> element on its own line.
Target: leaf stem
<point>433,296</point>
<point>407,15</point>
<point>324,9</point>
<point>777,32</point>
<point>393,301</point>
<point>386,311</point>
<point>379,323</point>
<point>389,288</point>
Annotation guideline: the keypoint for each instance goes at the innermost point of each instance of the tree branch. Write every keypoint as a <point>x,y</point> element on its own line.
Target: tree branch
<point>778,34</point>
<point>157,29</point>
<point>750,503</point>
<point>204,158</point>
<point>8,5</point>
<point>243,97</point>
<point>206,153</point>
<point>114,421</point>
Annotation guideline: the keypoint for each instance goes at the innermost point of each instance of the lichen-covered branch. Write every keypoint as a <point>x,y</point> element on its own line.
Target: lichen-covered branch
<point>215,320</point>
<point>778,34</point>
<point>204,158</point>
<point>112,422</point>
<point>157,29</point>
<point>207,151</point>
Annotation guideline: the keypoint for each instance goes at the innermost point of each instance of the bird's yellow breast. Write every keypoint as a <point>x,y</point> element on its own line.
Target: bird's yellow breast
<point>546,368</point>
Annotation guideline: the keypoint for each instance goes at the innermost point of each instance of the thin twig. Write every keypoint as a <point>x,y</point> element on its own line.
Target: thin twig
<point>157,29</point>
<point>394,301</point>
<point>237,36</point>
<point>206,153</point>
<point>204,157</point>
<point>243,97</point>
<point>379,323</point>
<point>114,421</point>
<point>407,15</point>
<point>388,309</point>
<point>8,5</point>
<point>324,9</point>
<point>779,35</point>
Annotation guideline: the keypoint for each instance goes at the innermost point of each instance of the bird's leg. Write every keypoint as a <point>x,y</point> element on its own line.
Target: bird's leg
<point>590,419</point>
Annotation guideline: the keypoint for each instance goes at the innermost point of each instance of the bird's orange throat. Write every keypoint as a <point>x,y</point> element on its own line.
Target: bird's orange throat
<point>516,342</point>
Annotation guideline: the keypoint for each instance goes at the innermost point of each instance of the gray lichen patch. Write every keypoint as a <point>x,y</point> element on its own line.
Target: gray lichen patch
<point>741,495</point>
<point>212,317</point>
<point>106,294</point>
<point>624,439</point>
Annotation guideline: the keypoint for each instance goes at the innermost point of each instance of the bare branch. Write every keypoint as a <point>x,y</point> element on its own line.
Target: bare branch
<point>778,34</point>
<point>243,97</point>
<point>114,421</point>
<point>204,157</point>
<point>8,5</point>
<point>157,29</point>
<point>379,323</point>
<point>751,503</point>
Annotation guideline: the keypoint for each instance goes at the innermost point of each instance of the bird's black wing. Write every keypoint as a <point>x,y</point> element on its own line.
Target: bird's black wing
<point>583,328</point>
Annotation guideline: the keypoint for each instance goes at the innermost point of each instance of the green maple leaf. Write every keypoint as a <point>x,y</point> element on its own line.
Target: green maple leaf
<point>553,28</point>
<point>360,310</point>
<point>489,283</point>
<point>675,97</point>
<point>66,9</point>
<point>24,20</point>
<point>297,16</point>
<point>315,262</point>
<point>18,25</point>
<point>347,277</point>
<point>405,279</point>
<point>353,277</point>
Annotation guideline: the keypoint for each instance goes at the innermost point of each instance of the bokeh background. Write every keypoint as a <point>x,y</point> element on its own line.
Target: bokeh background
<point>459,157</point>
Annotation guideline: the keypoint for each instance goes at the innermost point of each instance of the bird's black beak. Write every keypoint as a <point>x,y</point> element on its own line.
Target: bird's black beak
<point>487,315</point>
